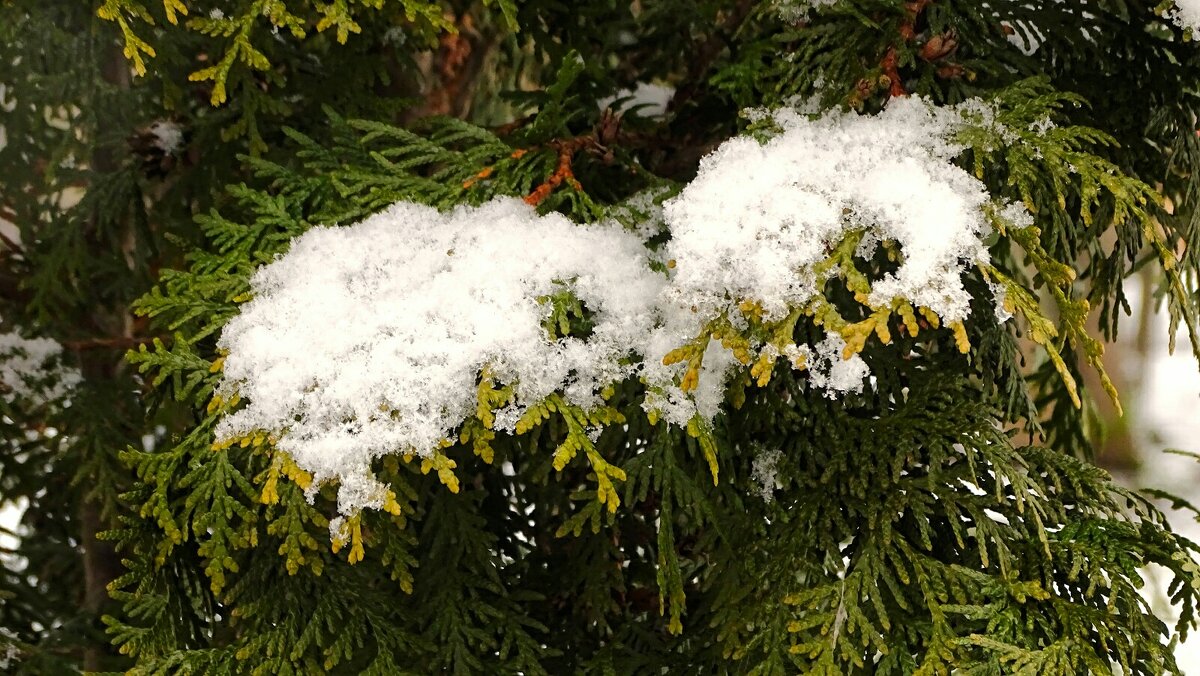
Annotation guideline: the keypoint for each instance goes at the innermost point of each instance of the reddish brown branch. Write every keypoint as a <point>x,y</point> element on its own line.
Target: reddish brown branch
<point>563,172</point>
<point>892,70</point>
<point>510,127</point>
<point>908,31</point>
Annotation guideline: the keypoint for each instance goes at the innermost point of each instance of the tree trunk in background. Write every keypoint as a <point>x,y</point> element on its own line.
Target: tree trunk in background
<point>101,563</point>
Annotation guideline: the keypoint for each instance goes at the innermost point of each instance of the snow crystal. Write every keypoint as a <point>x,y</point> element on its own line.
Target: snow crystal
<point>168,137</point>
<point>31,369</point>
<point>1043,125</point>
<point>1186,14</point>
<point>369,339</point>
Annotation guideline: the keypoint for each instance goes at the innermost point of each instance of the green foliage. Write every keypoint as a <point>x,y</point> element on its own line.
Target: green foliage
<point>903,530</point>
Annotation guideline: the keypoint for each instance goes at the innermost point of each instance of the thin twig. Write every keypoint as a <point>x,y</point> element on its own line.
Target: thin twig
<point>108,343</point>
<point>563,172</point>
<point>908,31</point>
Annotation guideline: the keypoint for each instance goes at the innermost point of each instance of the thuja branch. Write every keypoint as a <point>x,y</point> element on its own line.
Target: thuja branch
<point>562,172</point>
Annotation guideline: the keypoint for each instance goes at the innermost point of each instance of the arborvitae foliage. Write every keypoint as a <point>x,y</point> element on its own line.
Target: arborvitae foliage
<point>945,518</point>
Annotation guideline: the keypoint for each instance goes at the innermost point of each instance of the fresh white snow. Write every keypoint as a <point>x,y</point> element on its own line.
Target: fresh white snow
<point>1186,14</point>
<point>32,369</point>
<point>168,137</point>
<point>795,10</point>
<point>369,339</point>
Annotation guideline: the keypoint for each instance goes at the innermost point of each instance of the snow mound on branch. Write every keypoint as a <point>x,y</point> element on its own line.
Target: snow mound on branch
<point>760,217</point>
<point>1186,14</point>
<point>31,369</point>
<point>369,339</point>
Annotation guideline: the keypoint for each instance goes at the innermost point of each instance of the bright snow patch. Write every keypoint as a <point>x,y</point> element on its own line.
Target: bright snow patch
<point>369,339</point>
<point>31,369</point>
<point>1186,14</point>
<point>168,137</point>
<point>759,218</point>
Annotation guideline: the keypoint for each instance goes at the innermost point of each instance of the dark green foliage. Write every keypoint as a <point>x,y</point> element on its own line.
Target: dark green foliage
<point>904,530</point>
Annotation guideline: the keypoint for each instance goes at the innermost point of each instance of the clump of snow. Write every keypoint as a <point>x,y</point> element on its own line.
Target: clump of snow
<point>831,372</point>
<point>764,471</point>
<point>796,10</point>
<point>1186,14</point>
<point>759,218</point>
<point>394,35</point>
<point>31,369</point>
<point>168,137</point>
<point>369,339</point>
